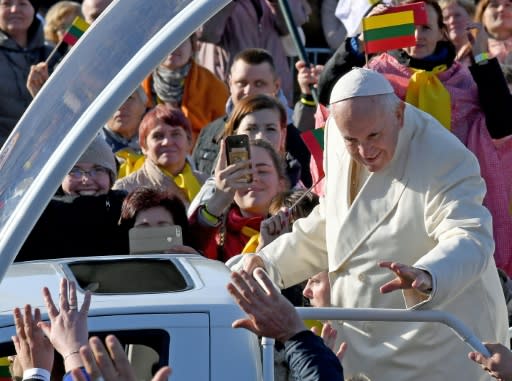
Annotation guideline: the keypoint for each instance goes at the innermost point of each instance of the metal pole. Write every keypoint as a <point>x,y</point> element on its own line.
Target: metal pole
<point>268,358</point>
<point>387,314</point>
<point>294,33</point>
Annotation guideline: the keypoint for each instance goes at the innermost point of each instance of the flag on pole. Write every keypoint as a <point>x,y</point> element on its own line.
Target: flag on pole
<point>75,31</point>
<point>70,38</point>
<point>393,29</point>
<point>351,12</point>
<point>314,140</point>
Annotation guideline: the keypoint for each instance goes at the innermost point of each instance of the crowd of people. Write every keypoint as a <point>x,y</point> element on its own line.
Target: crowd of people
<point>414,194</point>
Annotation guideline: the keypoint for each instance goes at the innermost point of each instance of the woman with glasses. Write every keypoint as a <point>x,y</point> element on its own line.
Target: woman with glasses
<point>82,218</point>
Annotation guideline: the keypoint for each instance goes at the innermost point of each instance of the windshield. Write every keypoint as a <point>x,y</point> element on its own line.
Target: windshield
<point>112,58</point>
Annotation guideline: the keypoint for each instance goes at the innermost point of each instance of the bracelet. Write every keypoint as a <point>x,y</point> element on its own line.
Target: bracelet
<point>307,102</point>
<point>71,354</point>
<point>212,219</point>
<point>481,58</point>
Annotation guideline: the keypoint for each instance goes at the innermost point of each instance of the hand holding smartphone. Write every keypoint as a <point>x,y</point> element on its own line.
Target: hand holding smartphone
<point>237,149</point>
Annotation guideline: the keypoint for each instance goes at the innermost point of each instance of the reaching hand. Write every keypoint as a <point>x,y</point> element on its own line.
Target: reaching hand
<point>251,262</point>
<point>269,313</point>
<point>329,335</point>
<point>407,277</point>
<point>273,227</point>
<point>33,349</point>
<point>68,329</point>
<point>499,365</point>
<point>111,365</point>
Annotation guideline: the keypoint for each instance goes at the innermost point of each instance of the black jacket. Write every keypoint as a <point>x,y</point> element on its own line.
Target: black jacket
<point>77,226</point>
<point>310,359</point>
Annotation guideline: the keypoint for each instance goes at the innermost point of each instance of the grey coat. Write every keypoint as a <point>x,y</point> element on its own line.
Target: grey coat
<point>15,63</point>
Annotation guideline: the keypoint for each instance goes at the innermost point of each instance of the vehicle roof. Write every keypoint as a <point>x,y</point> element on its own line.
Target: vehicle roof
<point>206,287</point>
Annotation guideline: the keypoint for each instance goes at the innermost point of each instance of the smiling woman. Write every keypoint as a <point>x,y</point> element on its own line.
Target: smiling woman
<point>165,137</point>
<point>84,207</point>
<point>244,205</point>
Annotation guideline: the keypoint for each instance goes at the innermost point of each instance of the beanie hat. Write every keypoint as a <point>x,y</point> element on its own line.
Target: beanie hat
<point>360,82</point>
<point>100,153</point>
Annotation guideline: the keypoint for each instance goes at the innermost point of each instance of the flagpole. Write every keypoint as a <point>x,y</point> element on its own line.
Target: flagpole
<point>292,28</point>
<point>53,52</point>
<point>366,14</point>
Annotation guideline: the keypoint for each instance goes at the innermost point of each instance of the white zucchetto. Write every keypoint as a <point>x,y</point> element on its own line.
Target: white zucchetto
<point>360,82</point>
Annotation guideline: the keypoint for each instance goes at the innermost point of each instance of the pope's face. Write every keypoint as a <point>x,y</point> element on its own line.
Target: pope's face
<point>369,129</point>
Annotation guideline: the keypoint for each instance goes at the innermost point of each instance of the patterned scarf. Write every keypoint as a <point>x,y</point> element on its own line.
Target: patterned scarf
<point>169,84</point>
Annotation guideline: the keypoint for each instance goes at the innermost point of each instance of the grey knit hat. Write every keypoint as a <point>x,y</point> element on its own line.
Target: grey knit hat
<point>100,153</point>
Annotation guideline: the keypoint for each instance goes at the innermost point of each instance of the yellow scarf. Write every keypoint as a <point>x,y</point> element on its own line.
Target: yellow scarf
<point>254,239</point>
<point>427,92</point>
<point>130,162</point>
<point>186,181</point>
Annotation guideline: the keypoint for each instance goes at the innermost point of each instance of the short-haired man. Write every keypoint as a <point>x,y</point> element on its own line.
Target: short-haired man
<point>252,72</point>
<point>402,212</point>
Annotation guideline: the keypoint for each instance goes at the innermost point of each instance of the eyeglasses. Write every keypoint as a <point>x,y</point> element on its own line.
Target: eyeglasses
<point>78,173</point>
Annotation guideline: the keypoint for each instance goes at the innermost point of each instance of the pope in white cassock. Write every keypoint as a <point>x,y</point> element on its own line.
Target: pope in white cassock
<point>401,226</point>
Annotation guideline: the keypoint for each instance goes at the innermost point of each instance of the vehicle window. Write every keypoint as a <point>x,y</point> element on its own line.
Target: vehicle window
<point>147,350</point>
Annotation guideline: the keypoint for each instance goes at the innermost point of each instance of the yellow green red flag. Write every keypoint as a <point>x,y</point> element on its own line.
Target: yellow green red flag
<point>75,31</point>
<point>394,28</point>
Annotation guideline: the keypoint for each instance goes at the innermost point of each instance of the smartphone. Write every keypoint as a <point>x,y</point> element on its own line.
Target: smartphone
<point>237,149</point>
<point>157,239</point>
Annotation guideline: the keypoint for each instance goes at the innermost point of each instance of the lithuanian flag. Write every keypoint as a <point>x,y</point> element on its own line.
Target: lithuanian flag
<point>394,28</point>
<point>5,374</point>
<point>75,31</point>
<point>314,140</point>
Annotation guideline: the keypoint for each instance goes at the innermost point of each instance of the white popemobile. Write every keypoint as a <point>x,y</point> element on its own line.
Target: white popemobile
<point>165,309</point>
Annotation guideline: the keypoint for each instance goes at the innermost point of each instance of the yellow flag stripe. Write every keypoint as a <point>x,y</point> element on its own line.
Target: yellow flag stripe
<point>390,19</point>
<point>80,23</point>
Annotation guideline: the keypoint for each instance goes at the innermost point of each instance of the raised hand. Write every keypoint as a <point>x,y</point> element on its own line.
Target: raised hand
<point>269,313</point>
<point>67,329</point>
<point>407,277</point>
<point>110,363</point>
<point>33,349</point>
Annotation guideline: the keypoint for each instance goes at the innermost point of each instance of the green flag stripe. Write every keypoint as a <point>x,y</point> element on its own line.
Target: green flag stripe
<point>389,32</point>
<point>75,31</point>
<point>319,136</point>
<point>4,371</point>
